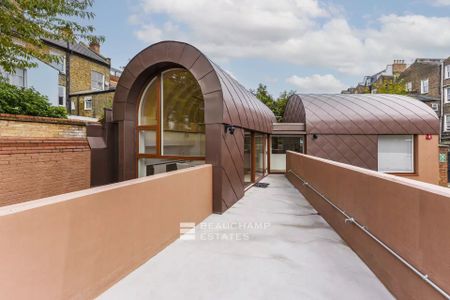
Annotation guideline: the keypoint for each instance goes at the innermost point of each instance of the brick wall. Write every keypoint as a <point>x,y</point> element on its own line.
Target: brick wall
<point>419,71</point>
<point>100,101</point>
<point>80,73</point>
<point>41,157</point>
<point>29,126</point>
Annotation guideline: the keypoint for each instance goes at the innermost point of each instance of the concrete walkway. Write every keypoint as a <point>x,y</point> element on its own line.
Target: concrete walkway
<point>270,245</point>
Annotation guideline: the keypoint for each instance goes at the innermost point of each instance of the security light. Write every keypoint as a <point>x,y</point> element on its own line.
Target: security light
<point>230,129</point>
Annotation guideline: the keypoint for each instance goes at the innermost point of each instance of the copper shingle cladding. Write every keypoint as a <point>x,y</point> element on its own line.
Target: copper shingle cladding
<point>361,114</point>
<point>226,102</point>
<point>347,126</point>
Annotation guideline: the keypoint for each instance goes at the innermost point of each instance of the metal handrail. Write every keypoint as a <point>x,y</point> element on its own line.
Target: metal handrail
<point>350,219</point>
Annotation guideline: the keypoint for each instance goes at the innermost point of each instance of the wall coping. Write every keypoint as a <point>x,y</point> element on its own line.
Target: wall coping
<point>35,119</point>
<point>424,186</point>
<point>23,206</point>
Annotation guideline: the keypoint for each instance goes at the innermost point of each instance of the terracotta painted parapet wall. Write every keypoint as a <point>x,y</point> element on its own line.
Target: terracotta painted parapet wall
<point>76,245</point>
<point>411,217</point>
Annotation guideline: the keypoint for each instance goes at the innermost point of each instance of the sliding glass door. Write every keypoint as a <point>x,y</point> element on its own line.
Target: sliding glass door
<point>255,156</point>
<point>248,158</point>
<point>259,155</point>
<point>280,144</point>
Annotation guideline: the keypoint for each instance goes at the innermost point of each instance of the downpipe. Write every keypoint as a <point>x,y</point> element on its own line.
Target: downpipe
<point>351,220</point>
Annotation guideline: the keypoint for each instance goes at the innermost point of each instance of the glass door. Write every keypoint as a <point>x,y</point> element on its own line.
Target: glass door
<point>279,145</point>
<point>247,158</point>
<point>259,155</point>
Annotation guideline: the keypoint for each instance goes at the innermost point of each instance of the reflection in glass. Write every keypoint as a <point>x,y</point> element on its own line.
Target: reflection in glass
<point>280,144</point>
<point>148,106</point>
<point>247,158</point>
<point>183,115</point>
<point>259,155</point>
<point>152,166</point>
<point>147,142</point>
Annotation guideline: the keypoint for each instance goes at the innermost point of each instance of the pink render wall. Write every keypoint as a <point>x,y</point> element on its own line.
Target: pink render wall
<point>77,245</point>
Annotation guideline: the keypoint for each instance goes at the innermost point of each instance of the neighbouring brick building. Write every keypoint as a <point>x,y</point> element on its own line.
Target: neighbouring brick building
<point>42,157</point>
<point>83,75</point>
<point>88,78</point>
<point>446,102</point>
<point>370,83</point>
<point>423,81</point>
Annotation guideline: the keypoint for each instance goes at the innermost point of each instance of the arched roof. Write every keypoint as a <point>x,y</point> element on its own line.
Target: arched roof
<point>361,114</point>
<point>226,100</point>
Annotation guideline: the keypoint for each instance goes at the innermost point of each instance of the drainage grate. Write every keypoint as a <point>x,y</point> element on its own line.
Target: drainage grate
<point>261,185</point>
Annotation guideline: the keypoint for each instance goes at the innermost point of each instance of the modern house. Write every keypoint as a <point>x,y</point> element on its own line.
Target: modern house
<point>82,75</point>
<point>176,110</point>
<point>387,133</point>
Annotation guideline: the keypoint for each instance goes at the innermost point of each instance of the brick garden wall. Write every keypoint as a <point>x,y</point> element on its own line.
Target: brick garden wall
<point>41,157</point>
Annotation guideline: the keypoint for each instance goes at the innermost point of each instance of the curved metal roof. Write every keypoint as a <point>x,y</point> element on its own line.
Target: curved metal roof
<point>361,114</point>
<point>226,100</point>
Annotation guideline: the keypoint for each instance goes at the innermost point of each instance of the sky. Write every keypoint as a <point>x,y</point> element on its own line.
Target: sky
<point>309,46</point>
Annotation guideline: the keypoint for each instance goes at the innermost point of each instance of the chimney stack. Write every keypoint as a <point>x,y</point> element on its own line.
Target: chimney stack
<point>95,46</point>
<point>398,67</point>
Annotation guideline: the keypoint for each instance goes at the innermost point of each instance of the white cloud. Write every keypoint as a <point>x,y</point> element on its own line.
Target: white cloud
<point>440,2</point>
<point>302,32</point>
<point>317,84</point>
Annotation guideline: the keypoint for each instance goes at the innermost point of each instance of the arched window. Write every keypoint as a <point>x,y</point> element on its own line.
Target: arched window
<point>170,120</point>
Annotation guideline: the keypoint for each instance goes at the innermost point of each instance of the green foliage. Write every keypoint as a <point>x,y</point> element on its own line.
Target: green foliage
<point>20,101</point>
<point>24,22</point>
<point>391,87</point>
<point>276,105</point>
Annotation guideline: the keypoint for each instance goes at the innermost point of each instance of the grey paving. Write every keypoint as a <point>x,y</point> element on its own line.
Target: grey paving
<point>270,245</point>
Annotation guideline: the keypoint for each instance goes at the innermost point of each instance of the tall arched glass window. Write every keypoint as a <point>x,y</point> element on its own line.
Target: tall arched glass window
<point>171,120</point>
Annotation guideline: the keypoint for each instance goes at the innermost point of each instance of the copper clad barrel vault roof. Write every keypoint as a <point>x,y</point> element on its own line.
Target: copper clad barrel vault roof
<point>361,114</point>
<point>226,100</point>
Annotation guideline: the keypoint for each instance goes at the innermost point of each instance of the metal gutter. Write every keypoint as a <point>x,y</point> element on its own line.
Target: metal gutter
<point>350,219</point>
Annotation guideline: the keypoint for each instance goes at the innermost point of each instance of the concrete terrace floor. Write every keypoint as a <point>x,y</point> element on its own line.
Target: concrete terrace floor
<point>283,250</point>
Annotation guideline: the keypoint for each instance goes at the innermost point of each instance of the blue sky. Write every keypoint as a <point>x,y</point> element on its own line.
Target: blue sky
<point>304,45</point>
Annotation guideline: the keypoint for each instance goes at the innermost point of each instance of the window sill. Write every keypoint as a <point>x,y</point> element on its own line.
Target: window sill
<point>403,174</point>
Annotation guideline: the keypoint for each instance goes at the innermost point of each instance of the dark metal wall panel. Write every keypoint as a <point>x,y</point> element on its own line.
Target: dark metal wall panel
<point>361,114</point>
<point>357,150</point>
<point>232,167</point>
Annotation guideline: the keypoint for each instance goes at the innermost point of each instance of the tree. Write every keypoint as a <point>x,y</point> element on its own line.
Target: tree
<point>23,24</point>
<point>391,87</point>
<point>277,106</point>
<point>25,101</point>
